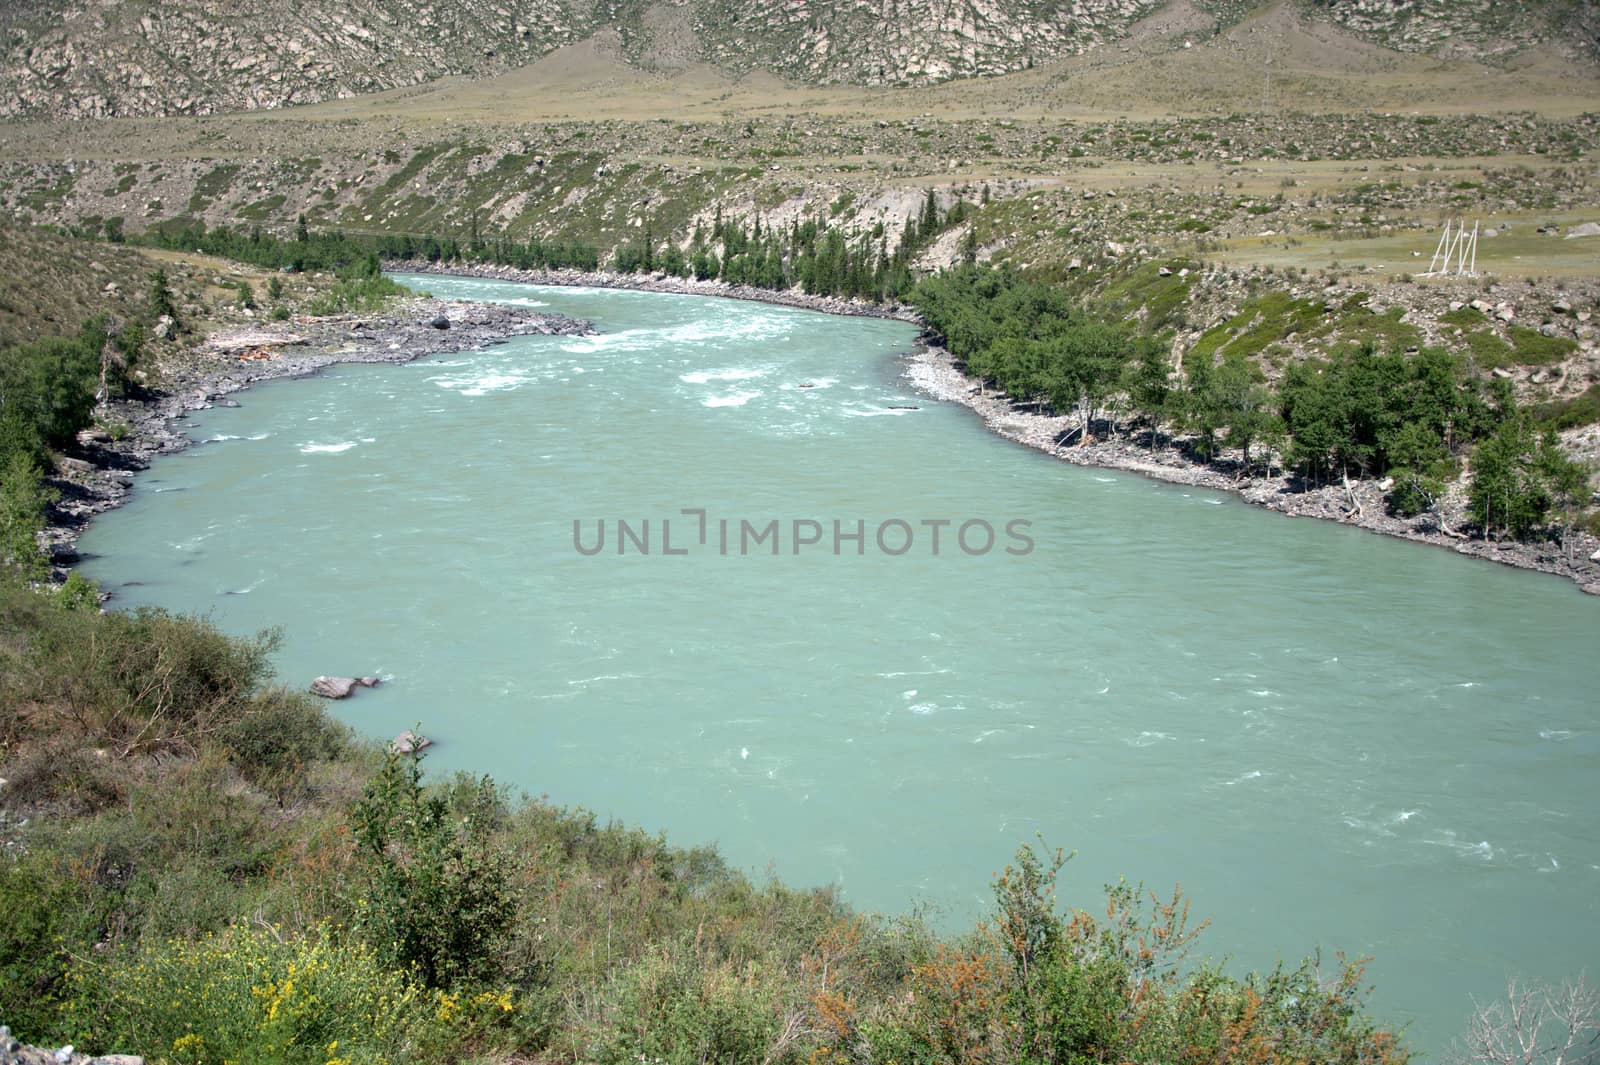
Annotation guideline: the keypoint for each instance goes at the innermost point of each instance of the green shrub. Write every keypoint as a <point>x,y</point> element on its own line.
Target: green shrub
<point>23,498</point>
<point>438,887</point>
<point>249,995</point>
<point>355,295</point>
<point>1465,316</point>
<point>1533,348</point>
<point>51,913</point>
<point>1564,414</point>
<point>278,733</point>
<point>78,592</point>
<point>679,1007</point>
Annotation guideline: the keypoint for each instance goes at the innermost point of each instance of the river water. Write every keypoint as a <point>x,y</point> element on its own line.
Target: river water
<point>1330,739</point>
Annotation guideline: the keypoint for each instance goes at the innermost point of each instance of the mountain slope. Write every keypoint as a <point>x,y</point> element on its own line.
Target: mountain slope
<point>88,59</point>
<point>1469,27</point>
<point>85,60</point>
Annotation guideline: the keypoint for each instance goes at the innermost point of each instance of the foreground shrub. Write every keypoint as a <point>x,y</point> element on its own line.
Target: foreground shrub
<point>438,887</point>
<point>249,996</point>
<point>1039,986</point>
<point>680,1007</point>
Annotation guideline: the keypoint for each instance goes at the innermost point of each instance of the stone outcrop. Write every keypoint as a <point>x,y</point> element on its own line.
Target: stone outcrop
<point>13,1052</point>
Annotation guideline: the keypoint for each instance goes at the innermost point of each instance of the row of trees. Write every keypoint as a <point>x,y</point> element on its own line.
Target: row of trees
<point>815,254</point>
<point>1360,413</point>
<point>336,251</point>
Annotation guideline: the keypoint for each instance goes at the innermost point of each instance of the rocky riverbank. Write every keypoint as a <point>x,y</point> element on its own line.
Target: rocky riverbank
<point>663,283</point>
<point>98,473</point>
<point>933,371</point>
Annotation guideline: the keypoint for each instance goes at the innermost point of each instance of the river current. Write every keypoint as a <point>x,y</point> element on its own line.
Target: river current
<point>1331,739</point>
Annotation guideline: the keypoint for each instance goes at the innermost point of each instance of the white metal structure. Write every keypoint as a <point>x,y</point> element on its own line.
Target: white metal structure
<point>1457,253</point>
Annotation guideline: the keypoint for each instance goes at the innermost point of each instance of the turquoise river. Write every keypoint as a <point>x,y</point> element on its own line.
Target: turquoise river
<point>1331,739</point>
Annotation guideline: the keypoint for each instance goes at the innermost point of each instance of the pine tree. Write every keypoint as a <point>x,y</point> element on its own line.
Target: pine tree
<point>161,305</point>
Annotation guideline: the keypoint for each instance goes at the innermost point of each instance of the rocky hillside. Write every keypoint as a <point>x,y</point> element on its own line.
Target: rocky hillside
<point>1469,27</point>
<point>876,42</point>
<point>85,59</point>
<point>88,59</point>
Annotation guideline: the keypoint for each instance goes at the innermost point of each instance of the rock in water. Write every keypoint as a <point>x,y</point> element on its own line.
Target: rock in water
<point>368,682</point>
<point>440,322</point>
<point>409,742</point>
<point>334,687</point>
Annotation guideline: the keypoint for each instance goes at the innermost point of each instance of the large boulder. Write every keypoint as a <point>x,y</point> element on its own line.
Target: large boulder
<point>333,687</point>
<point>340,687</point>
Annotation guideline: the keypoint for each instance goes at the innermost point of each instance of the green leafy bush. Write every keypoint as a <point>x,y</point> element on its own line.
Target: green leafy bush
<point>677,1006</point>
<point>250,995</point>
<point>438,888</point>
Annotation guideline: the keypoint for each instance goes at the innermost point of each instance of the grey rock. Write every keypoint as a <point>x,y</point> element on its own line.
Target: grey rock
<point>334,687</point>
<point>440,322</point>
<point>409,742</point>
